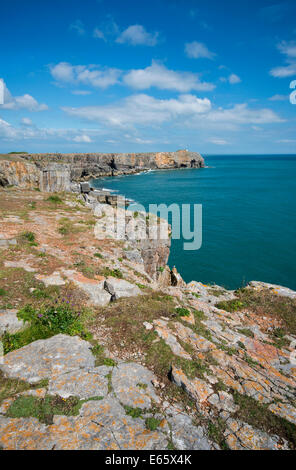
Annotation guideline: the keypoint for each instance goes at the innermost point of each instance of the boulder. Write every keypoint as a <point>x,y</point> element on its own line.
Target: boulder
<point>118,288</point>
<point>9,322</point>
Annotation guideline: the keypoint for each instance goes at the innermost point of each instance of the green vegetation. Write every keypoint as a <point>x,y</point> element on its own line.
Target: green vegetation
<point>152,423</point>
<point>133,412</point>
<point>29,237</point>
<point>182,312</point>
<point>265,302</point>
<point>98,255</point>
<point>54,199</point>
<point>246,332</point>
<point>112,272</point>
<point>230,305</point>
<point>2,292</point>
<point>45,408</point>
<point>11,387</point>
<point>44,322</point>
<point>258,415</point>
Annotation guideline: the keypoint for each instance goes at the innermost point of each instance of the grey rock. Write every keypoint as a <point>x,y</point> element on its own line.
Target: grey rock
<point>48,358</point>
<point>9,321</point>
<point>118,288</point>
<point>82,383</point>
<point>186,436</point>
<point>132,385</point>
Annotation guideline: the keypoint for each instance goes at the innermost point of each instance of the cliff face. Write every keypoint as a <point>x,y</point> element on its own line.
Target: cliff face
<point>56,172</point>
<point>18,173</point>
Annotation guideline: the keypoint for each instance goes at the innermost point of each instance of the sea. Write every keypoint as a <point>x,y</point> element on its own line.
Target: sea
<point>248,216</point>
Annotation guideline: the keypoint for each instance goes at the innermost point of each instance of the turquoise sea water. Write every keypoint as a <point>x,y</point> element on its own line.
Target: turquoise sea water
<point>249,216</point>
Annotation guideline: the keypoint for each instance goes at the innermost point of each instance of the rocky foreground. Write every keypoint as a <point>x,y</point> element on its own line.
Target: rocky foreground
<point>105,347</point>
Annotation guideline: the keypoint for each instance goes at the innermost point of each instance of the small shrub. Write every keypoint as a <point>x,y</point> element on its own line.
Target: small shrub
<point>183,312</point>
<point>152,423</point>
<point>113,273</point>
<point>54,199</point>
<point>109,362</point>
<point>133,412</point>
<point>98,255</point>
<point>2,292</point>
<point>230,305</point>
<point>29,236</point>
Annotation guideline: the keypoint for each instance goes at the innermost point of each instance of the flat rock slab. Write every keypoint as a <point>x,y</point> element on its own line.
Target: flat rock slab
<point>242,436</point>
<point>54,279</point>
<point>186,436</point>
<point>24,434</point>
<point>6,243</point>
<point>94,289</point>
<point>20,264</point>
<point>285,411</point>
<point>83,383</point>
<point>119,288</point>
<point>48,358</point>
<point>132,385</point>
<point>101,425</point>
<point>275,289</point>
<point>9,321</point>
<point>170,339</point>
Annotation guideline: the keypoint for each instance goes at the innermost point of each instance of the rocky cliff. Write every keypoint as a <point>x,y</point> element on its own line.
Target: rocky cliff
<point>56,172</point>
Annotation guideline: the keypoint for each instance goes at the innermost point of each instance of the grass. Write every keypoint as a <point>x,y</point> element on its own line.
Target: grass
<point>230,305</point>
<point>133,412</point>
<point>2,292</point>
<point>44,322</point>
<point>54,199</point>
<point>152,423</point>
<point>29,237</point>
<point>266,302</point>
<point>98,255</point>
<point>11,387</point>
<point>182,312</point>
<point>246,332</point>
<point>44,409</point>
<point>257,415</point>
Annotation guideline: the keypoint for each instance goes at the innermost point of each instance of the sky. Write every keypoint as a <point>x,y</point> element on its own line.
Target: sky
<point>129,76</point>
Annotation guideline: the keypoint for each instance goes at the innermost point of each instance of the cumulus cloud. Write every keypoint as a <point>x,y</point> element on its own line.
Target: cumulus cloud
<point>87,75</point>
<point>82,138</point>
<point>198,50</point>
<point>98,34</point>
<point>142,110</point>
<point>136,35</point>
<point>218,141</point>
<point>242,114</point>
<point>157,75</point>
<point>233,79</point>
<point>26,121</point>
<point>278,98</point>
<point>288,49</point>
<point>21,102</point>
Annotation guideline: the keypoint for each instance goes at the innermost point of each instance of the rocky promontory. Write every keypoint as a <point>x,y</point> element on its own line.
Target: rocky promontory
<point>59,172</point>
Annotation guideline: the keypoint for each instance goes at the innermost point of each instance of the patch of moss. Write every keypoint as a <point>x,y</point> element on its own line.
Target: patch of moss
<point>152,423</point>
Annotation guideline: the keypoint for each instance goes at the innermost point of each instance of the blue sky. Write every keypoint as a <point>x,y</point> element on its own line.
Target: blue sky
<point>130,76</point>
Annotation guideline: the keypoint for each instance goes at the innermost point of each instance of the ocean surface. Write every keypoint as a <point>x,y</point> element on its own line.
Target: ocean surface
<point>249,216</point>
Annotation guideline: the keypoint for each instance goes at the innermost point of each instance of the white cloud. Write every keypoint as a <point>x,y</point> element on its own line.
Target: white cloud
<point>157,75</point>
<point>278,98</point>
<point>82,138</point>
<point>78,27</point>
<point>136,35</point>
<point>233,79</point>
<point>218,141</point>
<point>286,141</point>
<point>26,121</point>
<point>198,50</point>
<point>21,102</point>
<point>242,114</point>
<point>81,92</point>
<point>98,34</point>
<point>142,110</point>
<point>88,75</point>
<point>187,110</point>
<point>288,49</point>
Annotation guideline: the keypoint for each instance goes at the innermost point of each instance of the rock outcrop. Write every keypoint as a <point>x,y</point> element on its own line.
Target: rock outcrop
<point>59,172</point>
